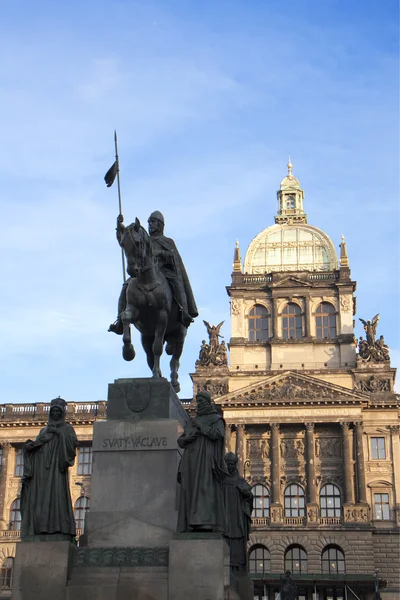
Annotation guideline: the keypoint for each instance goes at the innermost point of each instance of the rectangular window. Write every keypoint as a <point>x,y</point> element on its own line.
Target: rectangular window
<point>381,503</point>
<point>378,450</point>
<point>19,463</point>
<point>85,460</point>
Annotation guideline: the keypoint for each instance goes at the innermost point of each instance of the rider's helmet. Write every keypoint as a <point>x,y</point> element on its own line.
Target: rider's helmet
<point>157,215</point>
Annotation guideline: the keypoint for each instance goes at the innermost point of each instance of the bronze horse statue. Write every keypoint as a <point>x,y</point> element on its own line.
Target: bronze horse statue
<point>150,305</point>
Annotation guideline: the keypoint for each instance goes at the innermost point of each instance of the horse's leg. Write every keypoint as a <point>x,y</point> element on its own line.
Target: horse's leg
<point>147,343</point>
<point>158,343</point>
<point>128,351</point>
<point>176,347</point>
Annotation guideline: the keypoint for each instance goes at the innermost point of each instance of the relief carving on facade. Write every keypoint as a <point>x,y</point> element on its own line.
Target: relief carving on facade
<point>292,448</point>
<point>378,467</point>
<point>357,514</point>
<point>373,384</point>
<point>276,514</point>
<point>235,306</point>
<point>346,302</point>
<point>312,514</point>
<point>257,448</point>
<point>215,388</point>
<point>328,448</point>
<point>288,390</point>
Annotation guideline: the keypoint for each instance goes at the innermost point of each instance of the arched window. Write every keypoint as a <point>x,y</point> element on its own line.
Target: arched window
<point>294,501</point>
<point>290,202</point>
<point>296,559</point>
<point>15,515</point>
<point>7,573</point>
<point>258,324</point>
<point>325,321</point>
<point>259,560</point>
<point>292,322</point>
<point>329,500</point>
<point>261,501</point>
<point>333,560</point>
<point>81,508</point>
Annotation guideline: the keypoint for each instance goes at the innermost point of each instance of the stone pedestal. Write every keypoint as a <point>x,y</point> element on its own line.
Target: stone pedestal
<point>42,570</point>
<point>198,567</point>
<point>135,462</point>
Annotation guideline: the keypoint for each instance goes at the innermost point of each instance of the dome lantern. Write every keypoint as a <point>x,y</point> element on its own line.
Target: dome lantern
<point>290,200</point>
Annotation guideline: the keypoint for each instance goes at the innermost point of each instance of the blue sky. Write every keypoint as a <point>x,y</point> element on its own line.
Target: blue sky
<point>208,100</point>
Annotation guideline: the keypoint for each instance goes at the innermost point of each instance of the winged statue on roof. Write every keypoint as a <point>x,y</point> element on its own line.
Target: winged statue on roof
<point>370,329</point>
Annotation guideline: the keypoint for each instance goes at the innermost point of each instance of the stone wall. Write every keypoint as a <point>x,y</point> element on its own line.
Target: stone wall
<point>387,558</point>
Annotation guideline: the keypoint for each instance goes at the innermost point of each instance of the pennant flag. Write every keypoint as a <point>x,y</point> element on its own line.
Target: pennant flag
<point>111,174</point>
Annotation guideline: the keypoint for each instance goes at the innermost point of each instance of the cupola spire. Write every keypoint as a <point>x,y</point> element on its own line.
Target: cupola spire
<point>344,259</point>
<point>237,263</point>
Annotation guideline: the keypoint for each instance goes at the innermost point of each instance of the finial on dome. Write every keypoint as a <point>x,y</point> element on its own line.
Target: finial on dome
<point>289,167</point>
<point>237,263</point>
<point>344,259</point>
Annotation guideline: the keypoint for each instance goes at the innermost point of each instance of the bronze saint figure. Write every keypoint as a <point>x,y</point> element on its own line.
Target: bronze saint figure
<point>201,471</point>
<point>157,298</point>
<point>238,499</point>
<point>46,506</point>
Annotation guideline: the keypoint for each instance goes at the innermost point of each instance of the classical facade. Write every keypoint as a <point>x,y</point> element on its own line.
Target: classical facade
<point>310,411</point>
<point>312,414</point>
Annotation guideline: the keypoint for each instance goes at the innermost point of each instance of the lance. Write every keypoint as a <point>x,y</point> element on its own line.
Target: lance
<point>109,178</point>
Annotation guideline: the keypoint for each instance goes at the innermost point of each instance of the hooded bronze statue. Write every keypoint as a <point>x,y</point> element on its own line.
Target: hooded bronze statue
<point>46,505</point>
<point>201,471</point>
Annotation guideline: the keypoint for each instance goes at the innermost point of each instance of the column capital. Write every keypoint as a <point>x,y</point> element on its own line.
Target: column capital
<point>274,426</point>
<point>240,426</point>
<point>5,445</point>
<point>395,429</point>
<point>345,425</point>
<point>359,425</point>
<point>309,426</point>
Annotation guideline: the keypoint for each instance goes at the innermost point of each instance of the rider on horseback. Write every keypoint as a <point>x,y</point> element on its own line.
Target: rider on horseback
<point>170,263</point>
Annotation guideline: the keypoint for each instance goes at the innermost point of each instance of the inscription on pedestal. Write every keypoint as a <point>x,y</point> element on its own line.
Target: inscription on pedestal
<point>135,435</point>
<point>134,443</point>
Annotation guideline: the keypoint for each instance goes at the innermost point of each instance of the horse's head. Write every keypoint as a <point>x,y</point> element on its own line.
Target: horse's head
<point>137,246</point>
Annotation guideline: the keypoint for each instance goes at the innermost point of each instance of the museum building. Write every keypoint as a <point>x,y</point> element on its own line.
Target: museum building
<point>311,413</point>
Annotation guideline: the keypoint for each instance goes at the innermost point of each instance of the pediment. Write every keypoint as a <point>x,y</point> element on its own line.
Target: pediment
<point>291,281</point>
<point>290,388</point>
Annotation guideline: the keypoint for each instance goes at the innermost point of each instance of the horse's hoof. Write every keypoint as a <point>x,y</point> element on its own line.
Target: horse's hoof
<point>176,386</point>
<point>128,352</point>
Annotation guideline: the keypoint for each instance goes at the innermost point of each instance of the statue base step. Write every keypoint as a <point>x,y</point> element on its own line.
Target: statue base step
<point>198,567</point>
<point>42,570</point>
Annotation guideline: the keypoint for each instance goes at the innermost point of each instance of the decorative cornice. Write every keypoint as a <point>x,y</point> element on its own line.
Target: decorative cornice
<point>121,557</point>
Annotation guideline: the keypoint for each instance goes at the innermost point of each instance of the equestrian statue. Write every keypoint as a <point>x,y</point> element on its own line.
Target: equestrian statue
<point>157,297</point>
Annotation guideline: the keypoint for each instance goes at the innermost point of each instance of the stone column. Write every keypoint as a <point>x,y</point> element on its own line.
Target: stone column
<point>275,463</point>
<point>361,491</point>
<point>307,317</point>
<point>310,466</point>
<point>274,317</point>
<point>4,518</point>
<point>394,431</point>
<point>347,464</point>
<point>240,448</point>
<point>228,435</point>
<point>312,505</point>
<point>276,507</point>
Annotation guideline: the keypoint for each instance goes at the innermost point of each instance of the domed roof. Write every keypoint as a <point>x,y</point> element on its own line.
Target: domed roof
<point>290,247</point>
